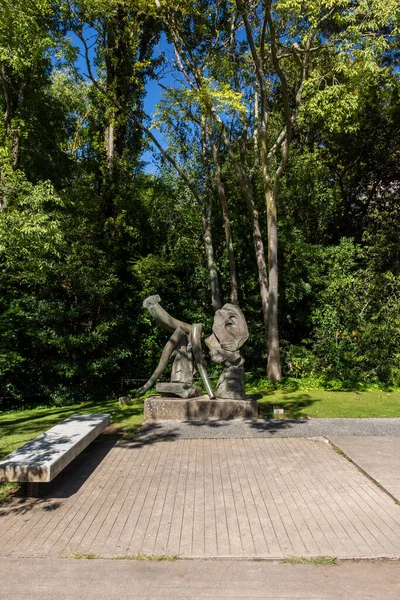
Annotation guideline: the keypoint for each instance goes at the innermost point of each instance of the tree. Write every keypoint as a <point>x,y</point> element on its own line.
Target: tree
<point>291,57</point>
<point>123,39</point>
<point>201,38</point>
<point>135,24</point>
<point>196,145</point>
<point>27,33</point>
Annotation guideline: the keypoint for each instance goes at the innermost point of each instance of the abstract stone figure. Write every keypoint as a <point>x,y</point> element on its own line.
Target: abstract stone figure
<point>229,334</point>
<point>185,340</point>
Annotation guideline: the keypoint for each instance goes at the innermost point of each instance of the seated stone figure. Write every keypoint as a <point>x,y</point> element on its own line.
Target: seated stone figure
<point>229,334</point>
<point>183,345</point>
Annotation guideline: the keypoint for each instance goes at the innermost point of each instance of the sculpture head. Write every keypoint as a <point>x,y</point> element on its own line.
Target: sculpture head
<point>229,334</point>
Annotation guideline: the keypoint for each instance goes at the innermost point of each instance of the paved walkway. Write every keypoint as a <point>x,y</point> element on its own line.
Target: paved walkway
<point>47,579</point>
<point>377,456</point>
<point>234,498</point>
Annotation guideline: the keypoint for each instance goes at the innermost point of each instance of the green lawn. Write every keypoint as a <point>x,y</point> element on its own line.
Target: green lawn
<point>330,403</point>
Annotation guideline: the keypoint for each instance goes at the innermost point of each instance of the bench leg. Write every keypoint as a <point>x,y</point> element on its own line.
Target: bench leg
<point>32,489</point>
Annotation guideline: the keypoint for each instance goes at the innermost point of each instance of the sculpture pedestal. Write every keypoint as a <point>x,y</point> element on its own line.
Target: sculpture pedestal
<point>202,408</point>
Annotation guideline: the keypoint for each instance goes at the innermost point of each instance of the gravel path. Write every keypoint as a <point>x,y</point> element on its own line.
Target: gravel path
<point>264,428</point>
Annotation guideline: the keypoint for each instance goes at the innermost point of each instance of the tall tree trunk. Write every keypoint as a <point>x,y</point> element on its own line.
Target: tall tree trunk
<point>271,194</point>
<point>206,213</point>
<point>11,91</point>
<point>260,255</point>
<point>227,226</point>
<point>274,367</point>
<point>246,190</point>
<point>110,145</point>
<point>245,187</point>
<point>210,256</point>
<point>118,62</point>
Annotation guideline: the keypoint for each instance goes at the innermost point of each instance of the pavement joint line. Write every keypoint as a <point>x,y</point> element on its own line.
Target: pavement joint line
<point>319,469</point>
<point>363,471</point>
<point>373,530</point>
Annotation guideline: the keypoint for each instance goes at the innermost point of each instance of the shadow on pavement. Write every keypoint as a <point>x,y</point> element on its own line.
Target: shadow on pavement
<point>150,433</point>
<point>213,423</point>
<point>275,425</point>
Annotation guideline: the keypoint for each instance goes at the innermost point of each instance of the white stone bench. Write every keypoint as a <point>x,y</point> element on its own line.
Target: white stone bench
<point>41,459</point>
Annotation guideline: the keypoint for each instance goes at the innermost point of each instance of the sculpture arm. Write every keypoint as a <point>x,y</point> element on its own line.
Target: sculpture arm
<point>152,303</point>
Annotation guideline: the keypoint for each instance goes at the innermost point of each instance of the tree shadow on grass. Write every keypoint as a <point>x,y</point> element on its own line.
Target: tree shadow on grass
<point>293,406</point>
<point>47,413</point>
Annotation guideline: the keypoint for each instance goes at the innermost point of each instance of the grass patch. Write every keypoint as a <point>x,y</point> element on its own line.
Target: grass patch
<point>293,384</point>
<point>131,430</point>
<point>339,451</point>
<point>144,557</point>
<point>7,491</point>
<point>311,560</point>
<point>149,557</point>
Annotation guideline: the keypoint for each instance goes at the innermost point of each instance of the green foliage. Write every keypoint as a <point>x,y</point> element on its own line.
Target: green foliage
<point>353,321</point>
<point>218,94</point>
<point>25,33</point>
<point>357,330</point>
<point>84,241</point>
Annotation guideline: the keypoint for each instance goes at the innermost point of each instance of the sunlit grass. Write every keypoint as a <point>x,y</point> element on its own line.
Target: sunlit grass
<point>333,404</point>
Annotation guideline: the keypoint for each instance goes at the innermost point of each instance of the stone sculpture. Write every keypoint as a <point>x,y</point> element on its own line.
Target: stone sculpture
<point>229,334</point>
<point>184,344</point>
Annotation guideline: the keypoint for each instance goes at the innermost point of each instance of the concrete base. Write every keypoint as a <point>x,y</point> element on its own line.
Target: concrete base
<point>161,408</point>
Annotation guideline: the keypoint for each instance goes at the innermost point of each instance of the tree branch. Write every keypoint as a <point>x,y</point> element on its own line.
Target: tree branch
<point>138,123</point>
